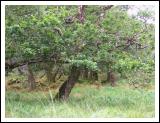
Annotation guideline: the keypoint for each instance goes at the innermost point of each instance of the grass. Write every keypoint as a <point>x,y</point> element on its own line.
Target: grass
<point>85,101</point>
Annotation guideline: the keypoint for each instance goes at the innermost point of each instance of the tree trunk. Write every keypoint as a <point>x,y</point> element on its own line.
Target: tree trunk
<point>31,79</point>
<point>55,74</point>
<point>94,75</point>
<point>51,76</point>
<point>60,73</point>
<point>85,74</point>
<point>48,68</point>
<point>67,86</point>
<point>111,78</point>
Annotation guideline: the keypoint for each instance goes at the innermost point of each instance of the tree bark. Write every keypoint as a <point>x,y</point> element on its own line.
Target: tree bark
<point>31,79</point>
<point>111,78</point>
<point>67,86</point>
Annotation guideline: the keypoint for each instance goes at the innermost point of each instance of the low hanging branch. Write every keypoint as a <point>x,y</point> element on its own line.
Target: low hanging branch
<point>11,64</point>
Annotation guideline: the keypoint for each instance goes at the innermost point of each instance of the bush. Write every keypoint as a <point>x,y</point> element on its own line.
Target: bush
<point>140,79</point>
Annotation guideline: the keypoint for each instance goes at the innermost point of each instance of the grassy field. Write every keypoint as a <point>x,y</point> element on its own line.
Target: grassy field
<point>85,101</point>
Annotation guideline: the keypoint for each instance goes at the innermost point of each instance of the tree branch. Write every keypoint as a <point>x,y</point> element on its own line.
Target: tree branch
<point>11,64</point>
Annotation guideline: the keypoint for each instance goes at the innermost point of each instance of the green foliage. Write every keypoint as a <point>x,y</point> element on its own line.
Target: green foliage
<point>41,31</point>
<point>85,64</point>
<point>34,35</point>
<point>127,65</point>
<point>116,20</point>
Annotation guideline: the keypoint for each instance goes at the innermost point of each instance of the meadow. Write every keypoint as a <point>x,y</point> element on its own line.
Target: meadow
<point>85,101</point>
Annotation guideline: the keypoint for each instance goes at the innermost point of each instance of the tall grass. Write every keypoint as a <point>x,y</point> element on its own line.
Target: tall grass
<point>84,101</point>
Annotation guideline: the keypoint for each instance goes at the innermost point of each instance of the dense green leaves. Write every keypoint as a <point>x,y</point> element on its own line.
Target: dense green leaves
<point>41,31</point>
<point>85,64</point>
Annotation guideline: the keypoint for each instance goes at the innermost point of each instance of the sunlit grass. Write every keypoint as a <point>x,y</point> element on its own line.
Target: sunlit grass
<point>84,101</point>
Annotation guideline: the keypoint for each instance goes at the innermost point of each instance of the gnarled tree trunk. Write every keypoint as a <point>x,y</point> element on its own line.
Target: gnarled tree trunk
<point>67,86</point>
